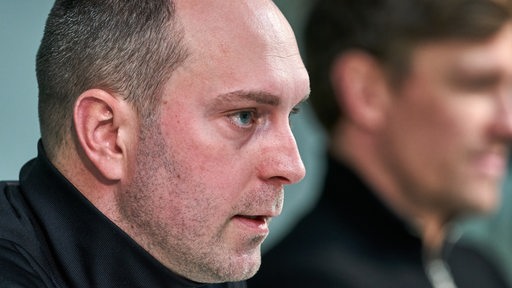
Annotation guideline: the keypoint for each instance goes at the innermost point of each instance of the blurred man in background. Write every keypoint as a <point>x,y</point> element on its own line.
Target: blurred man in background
<point>417,99</point>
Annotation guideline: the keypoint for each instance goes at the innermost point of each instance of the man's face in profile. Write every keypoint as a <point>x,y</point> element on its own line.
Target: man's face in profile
<point>447,129</point>
<point>210,174</point>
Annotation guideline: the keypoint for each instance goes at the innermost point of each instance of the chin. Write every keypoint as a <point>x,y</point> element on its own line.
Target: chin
<point>483,195</point>
<point>251,264</point>
<point>228,271</point>
<point>487,203</point>
<point>240,267</point>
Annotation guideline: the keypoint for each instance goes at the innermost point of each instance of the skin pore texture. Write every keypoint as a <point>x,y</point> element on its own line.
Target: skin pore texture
<point>200,183</point>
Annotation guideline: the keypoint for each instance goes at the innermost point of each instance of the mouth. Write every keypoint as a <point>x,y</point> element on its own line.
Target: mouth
<point>493,165</point>
<point>254,218</point>
<point>257,223</point>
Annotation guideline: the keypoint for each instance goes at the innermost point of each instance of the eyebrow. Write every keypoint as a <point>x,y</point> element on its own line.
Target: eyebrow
<point>241,95</point>
<point>461,72</point>
<point>259,97</point>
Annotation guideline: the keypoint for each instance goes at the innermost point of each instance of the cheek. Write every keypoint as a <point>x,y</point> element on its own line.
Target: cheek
<point>421,137</point>
<point>208,153</point>
<point>220,164</point>
<point>210,179</point>
<point>440,123</point>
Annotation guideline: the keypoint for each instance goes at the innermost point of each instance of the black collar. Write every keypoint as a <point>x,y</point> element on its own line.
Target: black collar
<point>357,205</point>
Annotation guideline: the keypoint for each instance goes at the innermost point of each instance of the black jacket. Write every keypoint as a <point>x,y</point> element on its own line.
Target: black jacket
<point>52,236</point>
<point>350,239</point>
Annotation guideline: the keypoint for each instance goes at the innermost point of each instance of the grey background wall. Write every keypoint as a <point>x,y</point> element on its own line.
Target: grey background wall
<point>21,28</point>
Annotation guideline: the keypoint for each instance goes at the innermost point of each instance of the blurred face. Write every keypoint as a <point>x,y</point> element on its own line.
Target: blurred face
<point>445,140</point>
<point>210,173</point>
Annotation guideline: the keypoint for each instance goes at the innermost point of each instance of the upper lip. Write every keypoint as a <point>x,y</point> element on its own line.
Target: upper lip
<point>267,210</point>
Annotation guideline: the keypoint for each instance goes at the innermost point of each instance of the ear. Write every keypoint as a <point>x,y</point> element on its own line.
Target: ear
<point>100,120</point>
<point>361,88</point>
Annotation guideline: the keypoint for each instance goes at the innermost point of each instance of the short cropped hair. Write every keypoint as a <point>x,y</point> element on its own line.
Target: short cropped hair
<point>388,30</point>
<point>128,47</point>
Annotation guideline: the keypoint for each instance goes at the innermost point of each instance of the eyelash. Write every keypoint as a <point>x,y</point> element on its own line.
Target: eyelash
<point>235,117</point>
<point>295,110</point>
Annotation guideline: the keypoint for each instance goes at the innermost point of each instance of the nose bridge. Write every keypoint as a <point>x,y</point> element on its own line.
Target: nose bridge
<point>282,157</point>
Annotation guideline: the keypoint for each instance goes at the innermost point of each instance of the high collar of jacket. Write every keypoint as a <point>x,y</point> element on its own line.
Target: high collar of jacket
<point>89,249</point>
<point>358,206</point>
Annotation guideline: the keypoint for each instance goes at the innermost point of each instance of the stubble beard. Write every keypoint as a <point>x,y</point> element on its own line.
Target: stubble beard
<point>175,246</point>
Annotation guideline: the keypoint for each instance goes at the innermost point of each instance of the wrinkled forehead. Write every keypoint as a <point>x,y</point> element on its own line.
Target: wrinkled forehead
<point>228,26</point>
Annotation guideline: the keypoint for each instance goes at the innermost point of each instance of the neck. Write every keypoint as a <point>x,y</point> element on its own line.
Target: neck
<point>433,232</point>
<point>73,164</point>
<point>357,149</point>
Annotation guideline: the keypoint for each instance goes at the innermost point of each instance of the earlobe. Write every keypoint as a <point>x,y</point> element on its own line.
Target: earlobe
<point>361,89</point>
<point>98,118</point>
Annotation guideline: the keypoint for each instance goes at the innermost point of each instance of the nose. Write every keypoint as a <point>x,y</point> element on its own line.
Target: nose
<point>281,161</point>
<point>503,123</point>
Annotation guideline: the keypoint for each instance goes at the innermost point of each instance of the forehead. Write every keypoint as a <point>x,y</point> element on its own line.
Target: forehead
<point>241,42</point>
<point>230,23</point>
<point>492,53</point>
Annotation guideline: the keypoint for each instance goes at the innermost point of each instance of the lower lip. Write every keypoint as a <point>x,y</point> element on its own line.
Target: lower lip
<point>256,225</point>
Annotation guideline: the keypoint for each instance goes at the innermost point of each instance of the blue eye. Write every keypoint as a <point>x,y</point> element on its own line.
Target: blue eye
<point>244,119</point>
